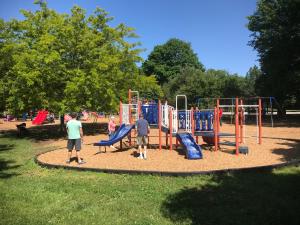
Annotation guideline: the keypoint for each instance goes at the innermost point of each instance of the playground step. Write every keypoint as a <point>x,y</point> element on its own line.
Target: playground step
<point>228,143</point>
<point>244,150</point>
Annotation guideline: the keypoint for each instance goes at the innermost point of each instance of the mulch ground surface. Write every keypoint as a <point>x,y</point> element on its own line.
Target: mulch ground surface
<point>281,144</point>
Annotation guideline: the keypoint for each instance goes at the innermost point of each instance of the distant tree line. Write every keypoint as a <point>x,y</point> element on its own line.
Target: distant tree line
<point>179,71</point>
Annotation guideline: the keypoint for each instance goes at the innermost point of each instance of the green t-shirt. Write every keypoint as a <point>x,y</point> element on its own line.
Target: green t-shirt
<point>73,127</point>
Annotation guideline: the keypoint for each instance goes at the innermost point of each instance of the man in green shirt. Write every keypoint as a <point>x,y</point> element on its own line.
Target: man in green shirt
<point>75,137</point>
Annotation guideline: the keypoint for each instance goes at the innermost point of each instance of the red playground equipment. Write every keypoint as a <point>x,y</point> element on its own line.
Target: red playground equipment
<point>196,122</point>
<point>41,117</point>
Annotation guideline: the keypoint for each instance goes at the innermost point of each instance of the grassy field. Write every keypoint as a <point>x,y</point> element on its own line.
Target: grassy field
<point>30,194</point>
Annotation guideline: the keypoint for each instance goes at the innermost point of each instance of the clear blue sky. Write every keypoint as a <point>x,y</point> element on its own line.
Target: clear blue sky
<point>216,29</point>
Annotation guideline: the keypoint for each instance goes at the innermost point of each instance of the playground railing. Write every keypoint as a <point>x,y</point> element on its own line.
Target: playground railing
<point>174,121</point>
<point>165,115</point>
<point>130,113</point>
<point>188,121</point>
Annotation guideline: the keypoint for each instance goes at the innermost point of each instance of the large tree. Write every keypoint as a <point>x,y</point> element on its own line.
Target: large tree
<point>276,36</point>
<point>67,62</point>
<point>165,61</point>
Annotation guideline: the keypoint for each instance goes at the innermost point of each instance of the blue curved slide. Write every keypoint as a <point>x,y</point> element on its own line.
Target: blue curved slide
<point>193,151</point>
<point>122,132</point>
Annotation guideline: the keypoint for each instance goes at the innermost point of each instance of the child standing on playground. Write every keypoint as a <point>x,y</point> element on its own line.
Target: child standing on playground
<point>143,129</point>
<point>220,115</point>
<point>75,137</point>
<point>111,128</point>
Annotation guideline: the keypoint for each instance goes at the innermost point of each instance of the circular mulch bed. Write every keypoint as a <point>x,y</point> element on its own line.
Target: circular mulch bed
<point>280,147</point>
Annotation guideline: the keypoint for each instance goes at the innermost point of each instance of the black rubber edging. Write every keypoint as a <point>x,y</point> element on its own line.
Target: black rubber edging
<point>266,168</point>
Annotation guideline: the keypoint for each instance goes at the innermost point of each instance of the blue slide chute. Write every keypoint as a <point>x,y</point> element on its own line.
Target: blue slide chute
<point>122,132</point>
<point>193,151</point>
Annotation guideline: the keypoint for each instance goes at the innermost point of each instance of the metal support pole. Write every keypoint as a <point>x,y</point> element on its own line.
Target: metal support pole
<point>236,125</point>
<point>159,123</point>
<point>271,105</point>
<point>218,116</point>
<point>170,127</point>
<point>120,113</point>
<point>192,121</point>
<point>259,122</point>
<point>241,123</point>
<point>167,139</point>
<point>129,96</point>
<point>216,128</point>
<point>129,115</point>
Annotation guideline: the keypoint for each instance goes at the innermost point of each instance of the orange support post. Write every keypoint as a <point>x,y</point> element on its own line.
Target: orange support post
<point>120,119</point>
<point>159,123</point>
<point>129,96</point>
<point>241,123</point>
<point>129,136</point>
<point>192,121</point>
<point>171,128</point>
<point>215,128</point>
<point>129,111</point>
<point>167,137</point>
<point>120,113</point>
<point>236,125</point>
<point>197,138</point>
<point>259,122</point>
<point>218,115</point>
<point>139,111</point>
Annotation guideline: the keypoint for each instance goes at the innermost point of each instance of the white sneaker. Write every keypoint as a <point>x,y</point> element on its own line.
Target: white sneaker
<point>141,156</point>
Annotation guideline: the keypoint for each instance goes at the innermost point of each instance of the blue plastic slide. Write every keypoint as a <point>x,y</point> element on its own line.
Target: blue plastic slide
<point>122,132</point>
<point>193,151</point>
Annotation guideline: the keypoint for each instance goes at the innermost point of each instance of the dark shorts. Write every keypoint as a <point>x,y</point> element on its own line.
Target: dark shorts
<point>142,140</point>
<point>74,142</point>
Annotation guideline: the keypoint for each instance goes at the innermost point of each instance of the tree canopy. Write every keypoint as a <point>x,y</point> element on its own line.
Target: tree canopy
<point>211,83</point>
<point>165,61</point>
<point>276,36</point>
<point>68,62</point>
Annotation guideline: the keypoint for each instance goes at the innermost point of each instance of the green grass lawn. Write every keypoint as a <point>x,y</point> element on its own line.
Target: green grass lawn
<point>30,194</point>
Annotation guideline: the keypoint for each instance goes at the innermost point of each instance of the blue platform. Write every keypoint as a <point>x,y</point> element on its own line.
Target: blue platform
<point>204,120</point>
<point>150,113</point>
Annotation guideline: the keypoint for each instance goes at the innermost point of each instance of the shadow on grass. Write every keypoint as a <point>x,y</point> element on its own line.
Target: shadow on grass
<point>248,198</point>
<point>5,166</point>
<point>6,147</point>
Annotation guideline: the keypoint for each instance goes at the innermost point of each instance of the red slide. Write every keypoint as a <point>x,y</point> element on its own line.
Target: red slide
<point>40,118</point>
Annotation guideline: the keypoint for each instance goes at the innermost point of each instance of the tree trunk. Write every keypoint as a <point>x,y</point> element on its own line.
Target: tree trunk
<point>62,123</point>
<point>281,112</point>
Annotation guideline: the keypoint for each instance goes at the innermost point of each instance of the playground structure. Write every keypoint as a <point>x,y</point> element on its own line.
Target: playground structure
<point>278,143</point>
<point>175,122</point>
